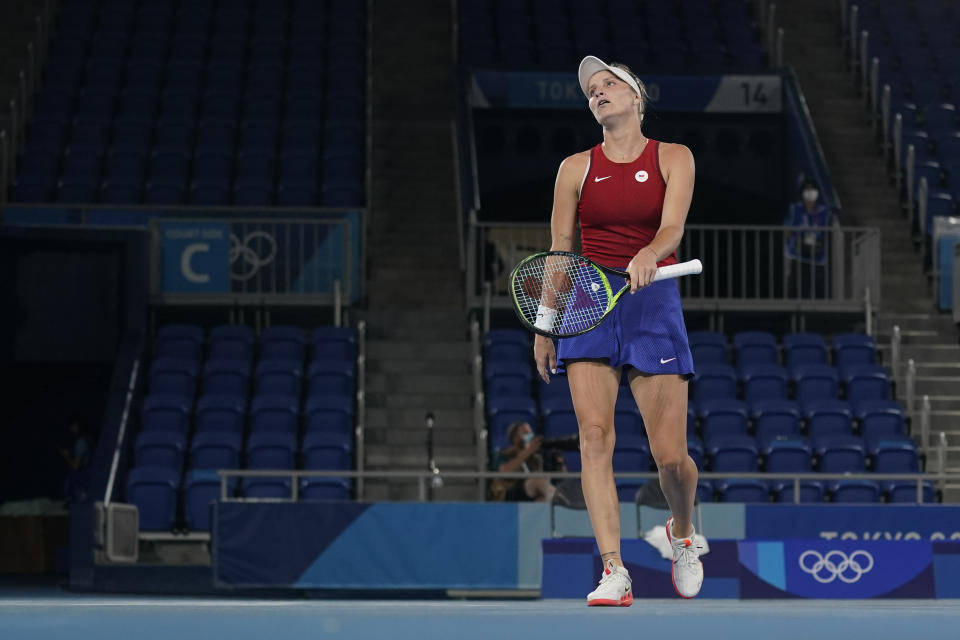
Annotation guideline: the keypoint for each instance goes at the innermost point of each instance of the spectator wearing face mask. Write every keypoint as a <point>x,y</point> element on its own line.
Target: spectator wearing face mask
<point>522,455</point>
<point>806,249</point>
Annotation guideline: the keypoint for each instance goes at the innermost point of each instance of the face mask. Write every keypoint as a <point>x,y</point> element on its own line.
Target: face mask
<point>810,195</point>
<point>528,438</point>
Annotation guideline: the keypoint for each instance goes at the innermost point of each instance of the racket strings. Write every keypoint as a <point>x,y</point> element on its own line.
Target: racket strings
<point>573,288</point>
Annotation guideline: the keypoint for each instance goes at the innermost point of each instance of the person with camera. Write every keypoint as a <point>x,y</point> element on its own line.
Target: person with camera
<point>526,453</point>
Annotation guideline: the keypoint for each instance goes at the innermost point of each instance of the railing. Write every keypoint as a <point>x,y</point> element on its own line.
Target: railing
<point>744,267</point>
<point>121,433</point>
<point>361,418</point>
<point>479,423</point>
<point>956,283</point>
<point>424,478</point>
<point>250,262</point>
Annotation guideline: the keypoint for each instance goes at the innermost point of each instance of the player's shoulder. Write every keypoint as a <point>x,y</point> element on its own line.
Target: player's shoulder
<point>577,160</point>
<point>675,155</point>
<point>674,150</point>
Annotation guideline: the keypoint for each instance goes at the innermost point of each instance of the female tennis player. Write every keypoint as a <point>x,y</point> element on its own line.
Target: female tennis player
<point>631,196</point>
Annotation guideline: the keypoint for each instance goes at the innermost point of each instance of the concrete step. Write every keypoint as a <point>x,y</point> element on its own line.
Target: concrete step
<point>403,366</point>
<point>420,401</point>
<point>911,336</point>
<point>938,385</point>
<point>944,323</point>
<point>402,322</point>
<point>401,435</point>
<point>948,421</point>
<point>414,349</point>
<point>945,403</point>
<point>443,419</point>
<point>396,490</point>
<point>930,353</point>
<point>436,384</point>
<point>414,456</point>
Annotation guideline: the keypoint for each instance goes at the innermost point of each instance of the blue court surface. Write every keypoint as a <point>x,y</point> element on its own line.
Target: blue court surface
<point>176,618</point>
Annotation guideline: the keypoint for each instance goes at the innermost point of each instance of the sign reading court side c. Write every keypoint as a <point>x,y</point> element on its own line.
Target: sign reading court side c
<point>641,176</point>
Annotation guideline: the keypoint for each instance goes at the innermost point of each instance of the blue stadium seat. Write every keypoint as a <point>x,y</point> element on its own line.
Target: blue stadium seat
<point>331,377</point>
<point>828,417</point>
<point>117,192</point>
<point>840,454</point>
<point>722,417</point>
<point>327,450</point>
<point>809,492</point>
<point>763,382</point>
<point>329,414</point>
<point>232,342</point>
<point>788,455</point>
<point>558,417</point>
<point>267,488</point>
<point>278,377</point>
<point>180,341</point>
<point>708,347</point>
<point>160,448</point>
<point>508,378</point>
<point>70,192</point>
<point>252,194</point>
<point>169,376</point>
<point>733,453</point>
<point>166,412</point>
<point>226,377</point>
<point>325,489</point>
<point>626,415</point>
<point>865,382</point>
<point>906,491</point>
<point>815,382</point>
<point>775,418</point>
<point>276,414</point>
<point>627,488</point>
<point>855,491</point>
<point>154,492</point>
<point>506,344</point>
<point>216,450</point>
<point>853,349</point>
<point>894,456</point>
<point>157,193</point>
<point>705,491</point>
<point>333,343</point>
<point>804,348</point>
<point>880,418</point>
<point>557,389</point>
<point>297,194</point>
<point>695,450</point>
<point>631,453</point>
<point>132,135</point>
<point>714,381</point>
<point>502,411</point>
<point>220,413</point>
<point>755,347</point>
<point>282,343</point>
<point>743,490</point>
<point>201,488</point>
<point>271,450</point>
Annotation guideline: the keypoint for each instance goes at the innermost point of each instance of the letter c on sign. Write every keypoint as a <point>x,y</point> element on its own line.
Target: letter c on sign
<point>187,269</point>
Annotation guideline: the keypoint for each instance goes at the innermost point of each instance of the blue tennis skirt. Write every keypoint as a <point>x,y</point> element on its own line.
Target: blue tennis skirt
<point>644,331</point>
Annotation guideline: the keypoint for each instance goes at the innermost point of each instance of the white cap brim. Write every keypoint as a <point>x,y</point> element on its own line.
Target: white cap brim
<point>592,64</point>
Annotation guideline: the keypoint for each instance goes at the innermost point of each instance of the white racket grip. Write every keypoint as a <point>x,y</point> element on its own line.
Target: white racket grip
<point>545,318</point>
<point>689,268</point>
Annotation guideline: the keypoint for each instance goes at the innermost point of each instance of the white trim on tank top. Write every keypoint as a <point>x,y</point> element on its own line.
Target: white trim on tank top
<point>586,172</point>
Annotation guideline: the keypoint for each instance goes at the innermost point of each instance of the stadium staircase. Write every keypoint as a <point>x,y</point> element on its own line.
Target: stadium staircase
<point>869,198</point>
<point>418,352</point>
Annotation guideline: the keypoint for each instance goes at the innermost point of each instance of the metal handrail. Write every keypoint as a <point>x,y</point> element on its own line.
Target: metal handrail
<point>911,386</point>
<point>956,282</point>
<point>885,121</point>
<point>896,339</point>
<point>874,91</point>
<point>921,208</point>
<point>925,425</point>
<point>361,418</point>
<point>121,433</point>
<point>854,23</point>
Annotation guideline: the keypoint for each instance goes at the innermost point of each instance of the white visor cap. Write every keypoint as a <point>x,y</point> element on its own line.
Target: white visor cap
<point>592,64</point>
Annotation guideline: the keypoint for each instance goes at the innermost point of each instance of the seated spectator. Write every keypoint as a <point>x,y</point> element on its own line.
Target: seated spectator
<point>523,454</point>
<point>807,250</point>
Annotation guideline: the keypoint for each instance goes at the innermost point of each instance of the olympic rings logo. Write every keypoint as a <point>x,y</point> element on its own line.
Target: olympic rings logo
<point>836,565</point>
<point>257,250</point>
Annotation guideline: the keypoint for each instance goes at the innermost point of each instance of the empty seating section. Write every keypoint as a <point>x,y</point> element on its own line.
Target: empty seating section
<point>916,47</point>
<point>229,399</point>
<point>805,403</point>
<point>201,102</point>
<point>686,35</point>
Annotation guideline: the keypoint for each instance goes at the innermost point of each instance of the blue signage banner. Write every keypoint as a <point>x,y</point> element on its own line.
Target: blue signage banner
<point>544,90</point>
<point>195,257</point>
<point>889,522</point>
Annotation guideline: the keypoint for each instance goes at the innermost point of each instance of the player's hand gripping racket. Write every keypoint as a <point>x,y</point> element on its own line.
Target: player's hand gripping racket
<point>560,294</point>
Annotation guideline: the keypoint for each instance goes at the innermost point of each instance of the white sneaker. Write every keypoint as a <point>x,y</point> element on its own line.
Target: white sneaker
<point>687,572</point>
<point>614,589</point>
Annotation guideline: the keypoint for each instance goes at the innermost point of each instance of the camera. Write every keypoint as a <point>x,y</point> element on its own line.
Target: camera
<point>553,448</point>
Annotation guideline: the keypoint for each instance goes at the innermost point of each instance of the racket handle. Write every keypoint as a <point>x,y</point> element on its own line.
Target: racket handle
<point>689,268</point>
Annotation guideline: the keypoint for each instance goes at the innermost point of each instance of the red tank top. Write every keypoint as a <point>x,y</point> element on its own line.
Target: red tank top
<point>621,204</point>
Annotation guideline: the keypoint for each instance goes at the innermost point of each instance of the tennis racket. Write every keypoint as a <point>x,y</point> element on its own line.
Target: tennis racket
<point>560,294</point>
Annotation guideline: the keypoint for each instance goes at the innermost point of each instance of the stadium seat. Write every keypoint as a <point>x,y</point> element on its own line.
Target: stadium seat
<point>755,347</point>
<point>215,450</point>
<point>733,453</point>
<point>708,347</point>
<point>278,378</point>
<point>234,342</point>
<point>331,377</point>
<point>626,416</point>
<point>333,343</point>
<point>201,488</point>
<point>853,349</point>
<point>327,450</point>
<point>855,491</point>
<point>880,418</point>
<point>809,492</point>
<point>722,417</point>
<point>170,376</point>
<point>763,382</point>
<point>557,389</point>
<point>814,382</point>
<point>714,381</point>
<point>894,456</point>
<point>865,382</point>
<point>274,414</point>
<point>220,413</point>
<point>695,450</point>
<point>502,346</point>
<point>631,453</point>
<point>705,491</point>
<point>329,414</point>
<point>627,488</point>
<point>906,491</point>
<point>282,343</point>
<point>840,454</point>
<point>788,455</point>
<point>804,348</point>
<point>160,448</point>
<point>743,490</point>
<point>267,488</point>
<point>828,417</point>
<point>774,418</point>
<point>503,411</point>
<point>508,378</point>
<point>558,417</point>
<point>154,492</point>
<point>271,450</point>
<point>226,377</point>
<point>325,489</point>
<point>166,412</point>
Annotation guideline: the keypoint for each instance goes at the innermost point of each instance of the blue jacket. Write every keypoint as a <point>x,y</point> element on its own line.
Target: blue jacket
<point>807,245</point>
